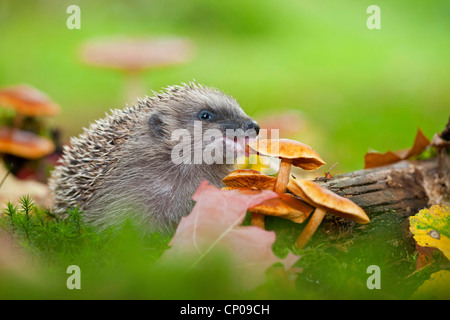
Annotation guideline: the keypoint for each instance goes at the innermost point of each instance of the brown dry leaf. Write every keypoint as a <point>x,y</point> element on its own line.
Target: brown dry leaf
<point>420,144</point>
<point>376,159</point>
<point>214,225</point>
<point>424,256</point>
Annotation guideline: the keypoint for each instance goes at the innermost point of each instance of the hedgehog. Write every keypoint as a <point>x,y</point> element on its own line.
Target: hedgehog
<point>121,167</point>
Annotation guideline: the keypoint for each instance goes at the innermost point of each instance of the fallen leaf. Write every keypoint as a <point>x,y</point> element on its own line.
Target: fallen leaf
<point>376,159</point>
<point>431,228</point>
<point>420,144</point>
<point>214,225</point>
<point>437,287</point>
<point>424,256</point>
<point>265,165</point>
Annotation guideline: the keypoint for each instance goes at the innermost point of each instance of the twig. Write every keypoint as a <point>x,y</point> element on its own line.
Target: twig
<point>4,178</point>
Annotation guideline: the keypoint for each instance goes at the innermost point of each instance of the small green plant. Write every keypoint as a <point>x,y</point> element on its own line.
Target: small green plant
<point>44,234</point>
<point>19,218</point>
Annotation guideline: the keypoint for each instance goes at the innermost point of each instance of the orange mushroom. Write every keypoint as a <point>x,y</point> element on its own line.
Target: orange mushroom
<point>28,101</point>
<point>291,152</point>
<point>248,178</point>
<point>285,205</point>
<point>24,144</point>
<point>325,201</point>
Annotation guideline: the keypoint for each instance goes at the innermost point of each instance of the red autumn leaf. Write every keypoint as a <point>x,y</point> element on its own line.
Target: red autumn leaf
<point>376,159</point>
<point>425,256</point>
<point>214,225</point>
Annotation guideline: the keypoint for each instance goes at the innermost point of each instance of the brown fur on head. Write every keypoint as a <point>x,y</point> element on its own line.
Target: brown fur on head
<point>121,166</point>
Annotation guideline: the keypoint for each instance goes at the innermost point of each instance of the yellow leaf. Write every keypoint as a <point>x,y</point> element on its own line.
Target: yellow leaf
<point>431,228</point>
<point>265,165</point>
<point>437,287</point>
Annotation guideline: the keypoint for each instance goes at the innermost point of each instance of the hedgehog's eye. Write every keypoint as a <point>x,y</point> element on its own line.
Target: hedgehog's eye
<point>206,115</point>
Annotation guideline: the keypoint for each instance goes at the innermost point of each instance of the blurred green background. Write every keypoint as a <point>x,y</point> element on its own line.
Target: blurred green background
<point>357,89</point>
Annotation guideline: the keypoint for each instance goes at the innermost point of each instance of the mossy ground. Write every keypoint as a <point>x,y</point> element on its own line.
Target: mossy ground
<point>120,262</point>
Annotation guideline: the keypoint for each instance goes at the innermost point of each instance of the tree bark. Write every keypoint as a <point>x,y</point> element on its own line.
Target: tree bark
<point>402,188</point>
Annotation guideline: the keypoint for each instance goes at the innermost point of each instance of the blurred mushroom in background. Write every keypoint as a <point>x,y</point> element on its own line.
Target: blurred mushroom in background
<point>24,144</point>
<point>133,56</point>
<point>25,139</point>
<point>28,101</point>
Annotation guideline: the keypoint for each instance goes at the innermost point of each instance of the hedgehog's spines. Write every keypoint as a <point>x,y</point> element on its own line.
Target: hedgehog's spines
<point>87,169</point>
<point>96,144</point>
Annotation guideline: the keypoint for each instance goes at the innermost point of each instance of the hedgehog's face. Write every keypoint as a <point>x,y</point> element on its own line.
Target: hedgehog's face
<point>210,118</point>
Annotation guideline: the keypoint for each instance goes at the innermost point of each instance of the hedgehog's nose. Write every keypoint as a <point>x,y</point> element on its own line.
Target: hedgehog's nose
<point>252,125</point>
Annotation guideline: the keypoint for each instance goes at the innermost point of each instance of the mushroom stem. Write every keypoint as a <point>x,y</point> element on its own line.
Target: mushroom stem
<point>18,120</point>
<point>283,176</point>
<point>257,220</point>
<point>133,85</point>
<point>310,228</point>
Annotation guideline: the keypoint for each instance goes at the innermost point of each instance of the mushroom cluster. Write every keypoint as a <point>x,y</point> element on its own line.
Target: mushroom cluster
<point>21,138</point>
<point>324,201</point>
<point>303,196</point>
<point>285,205</point>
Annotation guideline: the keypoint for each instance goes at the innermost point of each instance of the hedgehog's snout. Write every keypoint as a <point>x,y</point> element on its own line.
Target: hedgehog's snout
<point>250,128</point>
<point>252,125</point>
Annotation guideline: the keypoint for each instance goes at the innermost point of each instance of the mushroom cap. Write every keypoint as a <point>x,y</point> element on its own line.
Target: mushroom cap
<point>243,190</point>
<point>302,155</point>
<point>285,206</point>
<point>248,178</point>
<point>318,196</point>
<point>135,54</point>
<point>24,144</point>
<point>28,100</point>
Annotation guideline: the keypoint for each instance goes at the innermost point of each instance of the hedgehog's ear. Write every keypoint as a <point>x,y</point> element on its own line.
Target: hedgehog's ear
<point>156,125</point>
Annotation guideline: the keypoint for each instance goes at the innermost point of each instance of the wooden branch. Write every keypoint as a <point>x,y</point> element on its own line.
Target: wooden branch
<point>404,187</point>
